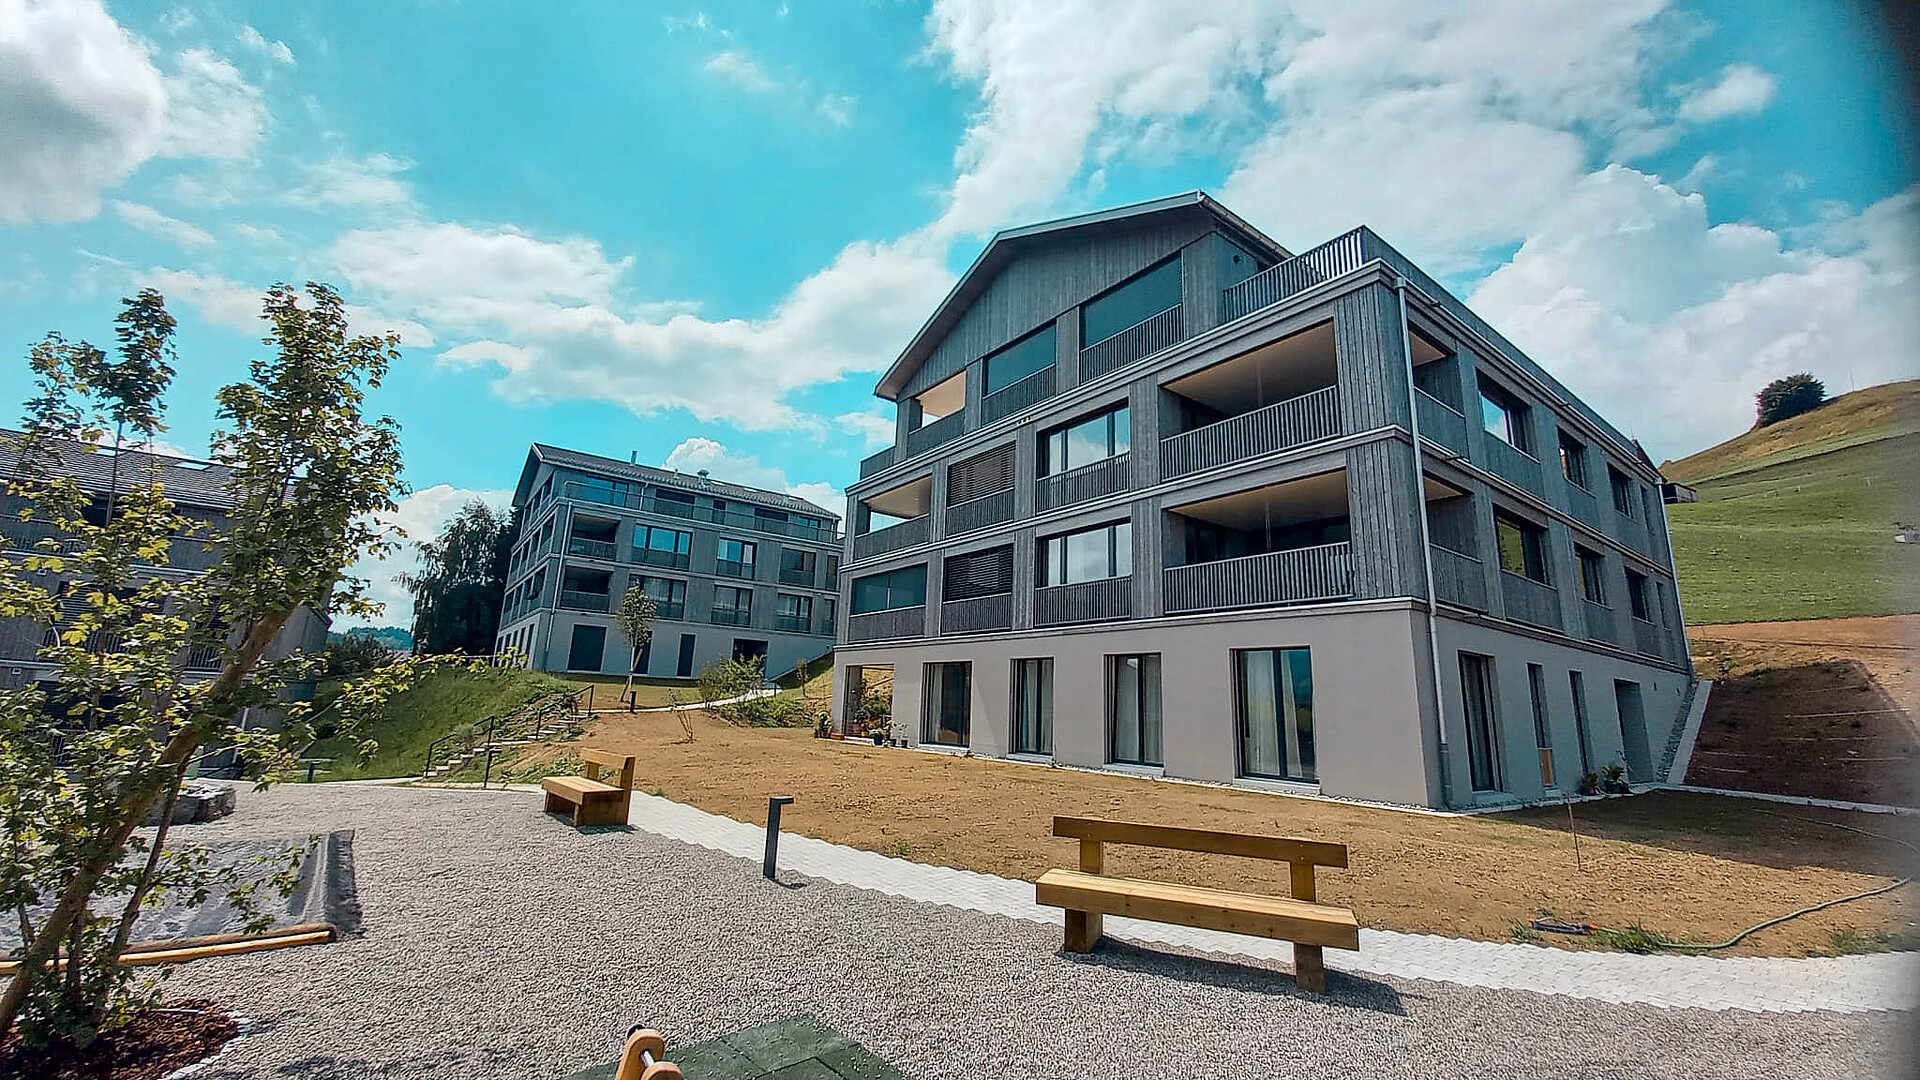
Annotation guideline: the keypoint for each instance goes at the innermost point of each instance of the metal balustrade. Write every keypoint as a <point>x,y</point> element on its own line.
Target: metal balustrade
<point>1295,275</point>
<point>1459,579</point>
<point>1086,482</point>
<point>1441,422</point>
<point>823,533</point>
<point>1514,464</point>
<point>976,614</point>
<point>1294,422</point>
<point>905,534</point>
<point>1162,330</point>
<point>723,616</point>
<point>592,549</point>
<point>877,462</point>
<point>793,624</point>
<point>1647,637</point>
<point>790,576</point>
<point>576,600</point>
<point>890,625</point>
<point>927,436</point>
<point>1323,572</point>
<point>1010,399</point>
<point>981,512</point>
<point>1089,601</point>
<point>733,569</point>
<point>1600,623</point>
<point>1529,601</point>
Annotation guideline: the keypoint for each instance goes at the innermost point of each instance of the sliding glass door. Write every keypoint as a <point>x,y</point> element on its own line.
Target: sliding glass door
<point>1274,698</point>
<point>1133,710</point>
<point>1483,744</point>
<point>948,699</point>
<point>1033,707</point>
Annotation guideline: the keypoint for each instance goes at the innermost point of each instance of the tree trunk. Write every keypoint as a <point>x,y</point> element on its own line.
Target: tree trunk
<point>132,913</point>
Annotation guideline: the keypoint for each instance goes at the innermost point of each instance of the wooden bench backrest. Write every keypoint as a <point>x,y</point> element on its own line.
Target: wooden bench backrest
<point>621,763</point>
<point>1277,848</point>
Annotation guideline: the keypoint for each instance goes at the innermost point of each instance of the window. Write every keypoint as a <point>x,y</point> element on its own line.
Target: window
<point>1273,696</point>
<point>601,490</point>
<point>1577,683</point>
<point>1033,706</point>
<point>677,503</point>
<point>796,566</point>
<point>1573,461</point>
<point>1083,442</point>
<point>1133,709</point>
<point>1522,547</point>
<point>1637,595</point>
<point>669,595</point>
<point>1483,746</point>
<point>1091,555</point>
<point>1593,576</point>
<point>1504,416</point>
<point>736,558</point>
<point>949,690</point>
<point>978,573</point>
<point>683,664</point>
<point>1028,356</point>
<point>731,606</point>
<point>1622,487</point>
<point>905,587</point>
<point>1542,724</point>
<point>1130,304</point>
<point>584,652</point>
<point>795,613</point>
<point>662,541</point>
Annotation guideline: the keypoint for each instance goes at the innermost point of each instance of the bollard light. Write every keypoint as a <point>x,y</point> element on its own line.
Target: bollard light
<point>773,833</point>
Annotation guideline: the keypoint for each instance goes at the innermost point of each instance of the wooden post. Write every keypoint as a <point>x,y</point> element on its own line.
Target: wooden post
<point>1084,928</point>
<point>1309,967</point>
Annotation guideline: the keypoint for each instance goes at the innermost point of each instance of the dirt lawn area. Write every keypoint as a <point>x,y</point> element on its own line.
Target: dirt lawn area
<point>1695,867</point>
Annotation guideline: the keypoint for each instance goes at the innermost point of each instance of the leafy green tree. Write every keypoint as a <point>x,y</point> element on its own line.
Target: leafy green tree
<point>634,620</point>
<point>461,582</point>
<point>1785,398</point>
<point>354,654</point>
<point>310,473</point>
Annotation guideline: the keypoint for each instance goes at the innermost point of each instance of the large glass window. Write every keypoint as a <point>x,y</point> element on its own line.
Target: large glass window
<point>1083,442</point>
<point>1622,487</point>
<point>736,557</point>
<point>1522,547</point>
<point>1274,696</point>
<point>1637,596</point>
<point>905,587</point>
<point>1577,685</point>
<point>1542,722</point>
<point>1031,354</point>
<point>1593,576</point>
<point>1483,744</point>
<point>667,541</point>
<point>602,490</point>
<point>1143,297</point>
<point>1033,706</point>
<point>1133,710</point>
<point>949,690</point>
<point>796,612</point>
<point>731,606</point>
<point>1090,555</point>
<point>1504,416</point>
<point>664,591</point>
<point>1573,460</point>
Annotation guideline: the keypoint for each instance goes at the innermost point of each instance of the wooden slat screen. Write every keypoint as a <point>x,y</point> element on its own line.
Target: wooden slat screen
<point>980,475</point>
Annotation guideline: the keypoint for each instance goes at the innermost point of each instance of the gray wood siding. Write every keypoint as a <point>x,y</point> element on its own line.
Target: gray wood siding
<point>1369,341</point>
<point>1383,522</point>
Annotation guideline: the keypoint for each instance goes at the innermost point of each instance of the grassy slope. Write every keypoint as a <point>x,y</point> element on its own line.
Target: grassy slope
<point>440,703</point>
<point>1795,521</point>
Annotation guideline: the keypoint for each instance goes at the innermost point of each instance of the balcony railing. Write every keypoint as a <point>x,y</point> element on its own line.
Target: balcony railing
<point>205,658</point>
<point>726,616</point>
<point>891,625</point>
<point>822,533</point>
<point>1583,506</point>
<point>790,576</point>
<point>576,600</point>
<point>980,513</point>
<point>1144,338</point>
<point>1514,464</point>
<point>1324,572</point>
<point>1103,477</point>
<point>672,560</point>
<point>670,610</point>
<point>1647,637</point>
<point>793,624</point>
<point>1294,422</point>
<point>732,568</point>
<point>1529,601</point>
<point>1089,601</point>
<point>892,538</point>
<point>977,613</point>
<point>1459,579</point>
<point>874,463</point>
<point>1295,275</point>
<point>1600,624</point>
<point>1008,400</point>
<point>592,549</point>
<point>1632,533</point>
<point>927,436</point>
<point>1441,422</point>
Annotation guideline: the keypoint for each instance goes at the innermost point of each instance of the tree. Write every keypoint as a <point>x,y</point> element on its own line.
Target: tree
<point>1785,398</point>
<point>461,582</point>
<point>309,472</point>
<point>634,620</point>
<point>354,654</point>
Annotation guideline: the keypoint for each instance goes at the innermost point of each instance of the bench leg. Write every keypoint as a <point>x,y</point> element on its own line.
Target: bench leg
<point>1083,930</point>
<point>1309,969</point>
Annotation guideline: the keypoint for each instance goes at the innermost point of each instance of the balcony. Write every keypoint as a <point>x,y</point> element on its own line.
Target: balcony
<point>791,576</point>
<point>793,624</point>
<point>1583,506</point>
<point>1513,464</point>
<point>1647,638</point>
<point>977,614</point>
<point>1090,601</point>
<point>689,511</point>
<point>1277,395</point>
<point>1441,422</point>
<point>577,600</point>
<point>1459,579</point>
<point>927,436</point>
<point>672,560</point>
<point>1294,422</point>
<point>903,515</point>
<point>670,610</point>
<point>732,569</point>
<point>906,534</point>
<point>1299,575</point>
<point>981,512</point>
<point>591,549</point>
<point>1144,338</point>
<point>1629,531</point>
<point>1529,601</point>
<point>891,625</point>
<point>1298,274</point>
<point>723,616</point>
<point>1008,400</point>
<point>1086,482</point>
<point>1600,624</point>
<point>874,463</point>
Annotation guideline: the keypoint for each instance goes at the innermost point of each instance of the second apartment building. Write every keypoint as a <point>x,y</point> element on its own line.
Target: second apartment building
<point>1168,498</point>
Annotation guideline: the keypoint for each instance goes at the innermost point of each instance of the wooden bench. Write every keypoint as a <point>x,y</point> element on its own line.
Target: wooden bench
<point>586,799</point>
<point>1087,893</point>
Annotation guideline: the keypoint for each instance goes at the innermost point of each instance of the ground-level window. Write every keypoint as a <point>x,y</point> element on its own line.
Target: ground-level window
<point>1033,706</point>
<point>949,689</point>
<point>1542,723</point>
<point>1483,745</point>
<point>1274,698</point>
<point>1578,684</point>
<point>589,643</point>
<point>1133,710</point>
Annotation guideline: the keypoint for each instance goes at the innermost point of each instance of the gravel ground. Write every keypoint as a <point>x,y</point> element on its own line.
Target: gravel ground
<point>502,943</point>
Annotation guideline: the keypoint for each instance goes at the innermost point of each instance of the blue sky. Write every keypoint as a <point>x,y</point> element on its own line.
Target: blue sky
<point>698,231</point>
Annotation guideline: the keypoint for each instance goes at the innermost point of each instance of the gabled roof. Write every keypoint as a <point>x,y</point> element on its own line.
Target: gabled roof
<point>188,482</point>
<point>647,474</point>
<point>1010,242</point>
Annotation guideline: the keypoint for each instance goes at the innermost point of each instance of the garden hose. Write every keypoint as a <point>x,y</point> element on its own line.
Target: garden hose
<point>1742,935</point>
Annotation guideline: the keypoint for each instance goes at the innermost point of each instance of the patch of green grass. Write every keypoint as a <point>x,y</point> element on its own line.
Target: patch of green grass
<point>1524,934</point>
<point>1849,941</point>
<point>439,704</point>
<point>1633,938</point>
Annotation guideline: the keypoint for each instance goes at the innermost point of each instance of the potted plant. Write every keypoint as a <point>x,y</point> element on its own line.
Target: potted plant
<point>878,727</point>
<point>1613,779</point>
<point>1589,784</point>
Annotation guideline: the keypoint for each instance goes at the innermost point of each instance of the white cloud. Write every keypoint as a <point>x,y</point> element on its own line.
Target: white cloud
<point>1742,89</point>
<point>700,452</point>
<point>258,234</point>
<point>421,515</point>
<point>371,181</point>
<point>875,428</point>
<point>741,70</point>
<point>837,108</point>
<point>149,220</point>
<point>218,299</point>
<point>212,110</point>
<point>277,51</point>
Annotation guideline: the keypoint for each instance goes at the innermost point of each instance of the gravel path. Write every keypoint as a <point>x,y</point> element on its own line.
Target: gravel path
<point>500,943</point>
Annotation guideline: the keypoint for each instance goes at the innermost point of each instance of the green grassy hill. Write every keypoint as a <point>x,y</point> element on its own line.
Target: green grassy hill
<point>440,703</point>
<point>1795,521</point>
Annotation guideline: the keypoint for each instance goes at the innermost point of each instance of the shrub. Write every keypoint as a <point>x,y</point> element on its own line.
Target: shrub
<point>1785,398</point>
